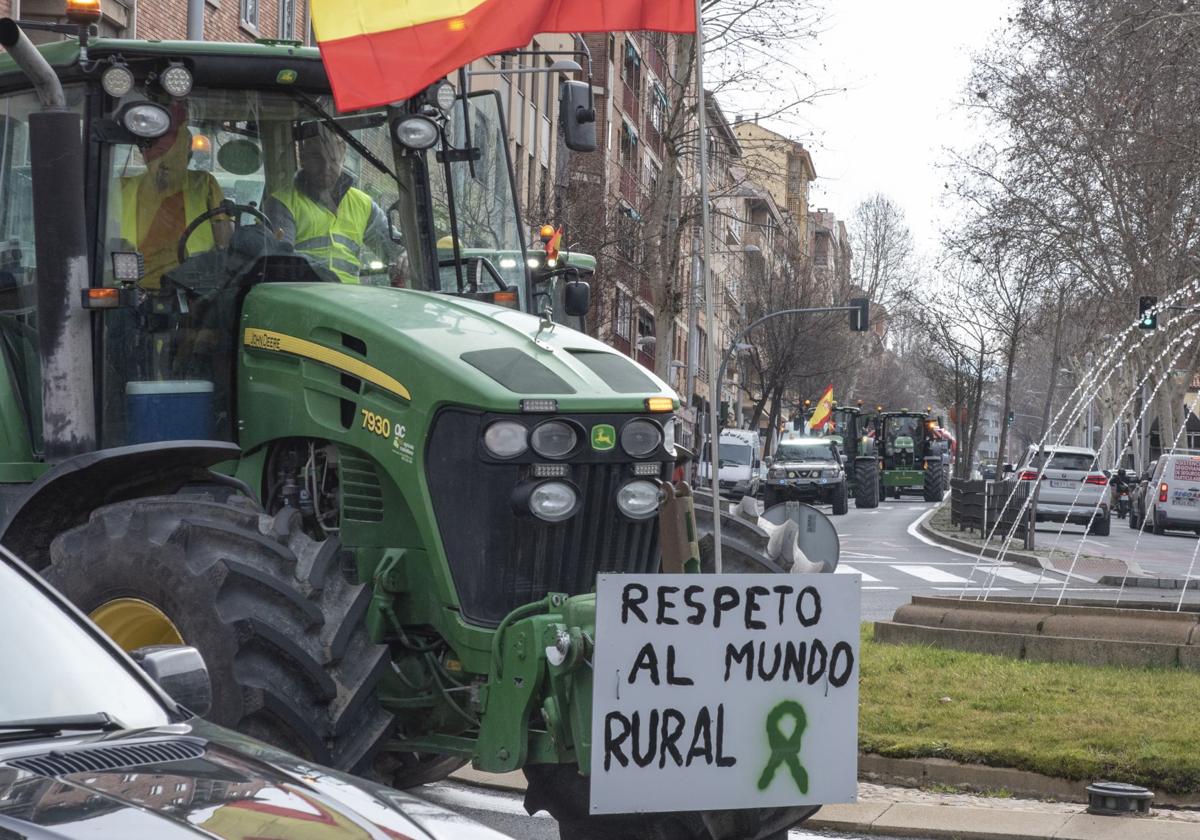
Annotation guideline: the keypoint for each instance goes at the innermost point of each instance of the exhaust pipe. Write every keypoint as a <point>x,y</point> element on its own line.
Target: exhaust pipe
<point>64,327</point>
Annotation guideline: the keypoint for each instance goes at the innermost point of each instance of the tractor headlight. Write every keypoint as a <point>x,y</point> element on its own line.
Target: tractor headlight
<point>416,132</point>
<point>146,119</point>
<point>553,439</point>
<point>553,501</point>
<point>506,439</point>
<point>117,81</point>
<point>639,499</point>
<point>176,80</point>
<point>640,437</point>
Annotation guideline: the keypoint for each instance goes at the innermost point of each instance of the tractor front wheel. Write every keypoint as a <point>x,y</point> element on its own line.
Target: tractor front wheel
<point>934,485</point>
<point>866,483</point>
<point>279,626</point>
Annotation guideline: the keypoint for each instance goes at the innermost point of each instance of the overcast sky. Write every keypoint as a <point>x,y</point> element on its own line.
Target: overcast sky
<point>904,65</point>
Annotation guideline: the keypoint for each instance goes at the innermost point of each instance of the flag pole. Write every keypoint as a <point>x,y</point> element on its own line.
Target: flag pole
<point>714,399</point>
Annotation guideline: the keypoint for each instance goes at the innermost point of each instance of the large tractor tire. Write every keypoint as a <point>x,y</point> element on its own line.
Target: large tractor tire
<point>278,624</point>
<point>934,486</point>
<point>840,500</point>
<point>563,793</point>
<point>866,483</point>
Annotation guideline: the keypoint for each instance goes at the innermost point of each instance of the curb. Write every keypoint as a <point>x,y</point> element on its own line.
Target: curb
<point>1149,582</point>
<point>945,820</point>
<point>971,548</point>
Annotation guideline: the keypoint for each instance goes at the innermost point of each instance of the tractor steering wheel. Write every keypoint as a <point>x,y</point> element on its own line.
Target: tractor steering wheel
<point>225,208</point>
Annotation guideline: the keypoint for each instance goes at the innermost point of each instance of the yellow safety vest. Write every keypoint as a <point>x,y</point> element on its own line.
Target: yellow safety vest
<point>332,239</point>
<point>195,202</point>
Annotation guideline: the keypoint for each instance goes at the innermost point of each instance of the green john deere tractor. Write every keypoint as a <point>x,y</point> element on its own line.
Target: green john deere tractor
<point>362,502</point>
<point>911,458</point>
<point>850,426</point>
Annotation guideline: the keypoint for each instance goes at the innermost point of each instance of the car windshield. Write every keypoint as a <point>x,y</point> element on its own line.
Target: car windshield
<point>805,451</point>
<point>733,454</point>
<point>1075,461</point>
<point>60,670</point>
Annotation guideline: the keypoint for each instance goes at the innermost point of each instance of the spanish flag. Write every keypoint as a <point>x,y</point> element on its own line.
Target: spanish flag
<point>823,413</point>
<point>382,51</point>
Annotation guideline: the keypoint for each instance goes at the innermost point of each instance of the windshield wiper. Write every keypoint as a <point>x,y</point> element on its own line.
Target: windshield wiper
<point>100,721</point>
<point>353,141</point>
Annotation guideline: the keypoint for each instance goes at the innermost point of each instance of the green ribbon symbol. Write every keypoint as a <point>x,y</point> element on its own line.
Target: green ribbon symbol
<point>785,749</point>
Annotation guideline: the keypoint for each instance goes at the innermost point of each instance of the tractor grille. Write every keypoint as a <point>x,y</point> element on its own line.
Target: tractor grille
<point>99,759</point>
<point>500,559</point>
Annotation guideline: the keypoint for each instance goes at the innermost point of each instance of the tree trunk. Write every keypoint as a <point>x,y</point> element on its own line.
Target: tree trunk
<point>1010,364</point>
<point>1055,358</point>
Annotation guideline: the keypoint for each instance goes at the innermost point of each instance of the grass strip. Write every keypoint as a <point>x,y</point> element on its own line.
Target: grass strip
<point>1060,719</point>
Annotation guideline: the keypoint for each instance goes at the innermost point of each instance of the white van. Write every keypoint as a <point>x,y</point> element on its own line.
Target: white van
<point>1170,498</point>
<point>741,462</point>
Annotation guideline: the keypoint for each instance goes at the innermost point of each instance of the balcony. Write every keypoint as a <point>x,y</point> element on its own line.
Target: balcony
<point>630,188</point>
<point>631,104</point>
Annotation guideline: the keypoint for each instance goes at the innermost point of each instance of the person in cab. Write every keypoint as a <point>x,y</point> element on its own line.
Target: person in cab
<point>323,216</point>
<point>157,205</point>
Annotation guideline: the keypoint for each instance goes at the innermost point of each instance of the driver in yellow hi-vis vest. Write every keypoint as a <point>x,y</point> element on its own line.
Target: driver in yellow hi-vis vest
<point>324,216</point>
<point>157,205</point>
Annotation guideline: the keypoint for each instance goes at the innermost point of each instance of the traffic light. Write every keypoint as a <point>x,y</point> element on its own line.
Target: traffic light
<point>1149,318</point>
<point>1012,415</point>
<point>860,314</point>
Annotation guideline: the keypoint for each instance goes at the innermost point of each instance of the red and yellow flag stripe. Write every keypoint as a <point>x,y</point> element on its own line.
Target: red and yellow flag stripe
<point>823,413</point>
<point>382,51</point>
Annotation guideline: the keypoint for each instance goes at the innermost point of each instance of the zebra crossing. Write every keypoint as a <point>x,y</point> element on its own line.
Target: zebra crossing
<point>879,575</point>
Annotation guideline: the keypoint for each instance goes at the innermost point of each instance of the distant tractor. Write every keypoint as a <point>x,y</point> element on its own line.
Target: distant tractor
<point>910,455</point>
<point>862,464</point>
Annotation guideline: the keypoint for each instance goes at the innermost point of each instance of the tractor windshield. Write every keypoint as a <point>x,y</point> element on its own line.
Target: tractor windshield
<point>321,185</point>
<point>900,428</point>
<point>473,202</point>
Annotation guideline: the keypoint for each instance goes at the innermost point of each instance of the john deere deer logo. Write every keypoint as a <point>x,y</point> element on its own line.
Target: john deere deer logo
<point>604,437</point>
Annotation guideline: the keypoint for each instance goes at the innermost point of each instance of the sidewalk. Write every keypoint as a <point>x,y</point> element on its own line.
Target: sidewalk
<point>899,811</point>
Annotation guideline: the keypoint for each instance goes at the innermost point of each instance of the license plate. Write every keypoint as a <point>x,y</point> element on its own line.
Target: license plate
<point>1056,482</point>
<point>1185,498</point>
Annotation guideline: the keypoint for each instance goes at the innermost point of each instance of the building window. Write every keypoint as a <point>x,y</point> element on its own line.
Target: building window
<point>623,315</point>
<point>248,14</point>
<point>629,142</point>
<point>645,324</point>
<point>631,69</point>
<point>658,106</point>
<point>287,20</point>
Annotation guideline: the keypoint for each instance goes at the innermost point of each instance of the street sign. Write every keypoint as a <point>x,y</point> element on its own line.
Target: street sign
<point>724,691</point>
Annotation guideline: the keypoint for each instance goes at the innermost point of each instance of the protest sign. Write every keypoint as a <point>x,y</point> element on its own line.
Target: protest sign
<point>724,691</point>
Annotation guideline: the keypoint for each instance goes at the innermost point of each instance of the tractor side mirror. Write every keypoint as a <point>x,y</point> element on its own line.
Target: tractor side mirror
<point>180,671</point>
<point>577,298</point>
<point>578,115</point>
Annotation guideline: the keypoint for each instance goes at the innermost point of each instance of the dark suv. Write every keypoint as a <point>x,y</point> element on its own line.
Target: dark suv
<point>91,747</point>
<point>807,469</point>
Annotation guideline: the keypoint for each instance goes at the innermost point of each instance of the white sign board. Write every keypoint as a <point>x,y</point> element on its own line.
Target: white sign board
<point>714,692</point>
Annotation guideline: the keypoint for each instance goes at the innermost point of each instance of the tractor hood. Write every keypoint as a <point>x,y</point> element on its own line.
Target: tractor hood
<point>435,345</point>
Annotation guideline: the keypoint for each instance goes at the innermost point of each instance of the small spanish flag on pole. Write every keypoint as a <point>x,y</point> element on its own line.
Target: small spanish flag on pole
<point>381,51</point>
<point>823,413</point>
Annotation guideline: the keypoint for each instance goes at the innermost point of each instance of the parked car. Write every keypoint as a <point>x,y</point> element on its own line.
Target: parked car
<point>1072,487</point>
<point>91,746</point>
<point>1169,494</point>
<point>807,469</point>
<point>741,460</point>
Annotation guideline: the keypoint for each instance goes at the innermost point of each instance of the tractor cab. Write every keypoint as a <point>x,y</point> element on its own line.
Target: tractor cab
<point>211,171</point>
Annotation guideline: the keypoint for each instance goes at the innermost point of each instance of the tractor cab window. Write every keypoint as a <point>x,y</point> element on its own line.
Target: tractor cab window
<point>905,429</point>
<point>20,368</point>
<point>474,204</point>
<point>238,187</point>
